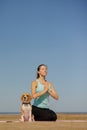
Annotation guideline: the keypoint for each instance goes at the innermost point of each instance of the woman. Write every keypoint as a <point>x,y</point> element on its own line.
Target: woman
<point>41,89</point>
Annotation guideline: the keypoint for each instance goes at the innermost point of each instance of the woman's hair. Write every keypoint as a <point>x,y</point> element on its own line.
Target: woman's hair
<point>38,68</point>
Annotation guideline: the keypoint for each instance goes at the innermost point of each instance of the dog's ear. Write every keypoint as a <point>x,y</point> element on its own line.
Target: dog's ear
<point>22,97</point>
<point>29,97</point>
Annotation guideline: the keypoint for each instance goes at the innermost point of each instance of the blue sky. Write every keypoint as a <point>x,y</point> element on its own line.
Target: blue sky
<point>53,32</point>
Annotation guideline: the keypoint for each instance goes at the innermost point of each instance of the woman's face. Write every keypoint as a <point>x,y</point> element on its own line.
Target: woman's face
<point>43,71</point>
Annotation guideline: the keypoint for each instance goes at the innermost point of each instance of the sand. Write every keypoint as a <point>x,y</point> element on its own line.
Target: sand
<point>64,122</point>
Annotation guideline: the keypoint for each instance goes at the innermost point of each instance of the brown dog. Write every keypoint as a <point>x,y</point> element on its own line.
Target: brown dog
<point>26,108</point>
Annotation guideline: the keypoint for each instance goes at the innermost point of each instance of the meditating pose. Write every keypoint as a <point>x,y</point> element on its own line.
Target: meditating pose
<point>41,90</point>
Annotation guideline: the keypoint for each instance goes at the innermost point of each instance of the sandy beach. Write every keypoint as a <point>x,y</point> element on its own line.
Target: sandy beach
<point>64,122</point>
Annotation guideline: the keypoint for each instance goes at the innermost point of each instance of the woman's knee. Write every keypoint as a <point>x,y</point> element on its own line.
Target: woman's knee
<point>54,117</point>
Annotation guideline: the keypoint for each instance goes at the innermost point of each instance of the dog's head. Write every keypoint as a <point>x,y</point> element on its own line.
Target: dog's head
<point>26,98</point>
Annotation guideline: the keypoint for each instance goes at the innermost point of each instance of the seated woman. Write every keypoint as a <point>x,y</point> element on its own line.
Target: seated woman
<point>41,89</point>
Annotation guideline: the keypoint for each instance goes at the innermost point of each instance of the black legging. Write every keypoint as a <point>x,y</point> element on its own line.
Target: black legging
<point>42,114</point>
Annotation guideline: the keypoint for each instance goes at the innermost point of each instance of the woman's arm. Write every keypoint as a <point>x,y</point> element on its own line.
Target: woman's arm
<point>53,92</point>
<point>34,86</point>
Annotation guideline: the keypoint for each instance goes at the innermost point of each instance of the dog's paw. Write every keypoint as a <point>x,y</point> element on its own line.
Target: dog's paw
<point>21,120</point>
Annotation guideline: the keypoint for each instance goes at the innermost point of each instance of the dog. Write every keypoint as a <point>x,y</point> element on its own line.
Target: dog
<point>26,108</point>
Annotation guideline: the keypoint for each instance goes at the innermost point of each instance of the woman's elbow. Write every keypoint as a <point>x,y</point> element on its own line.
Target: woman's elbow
<point>57,97</point>
<point>33,96</point>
